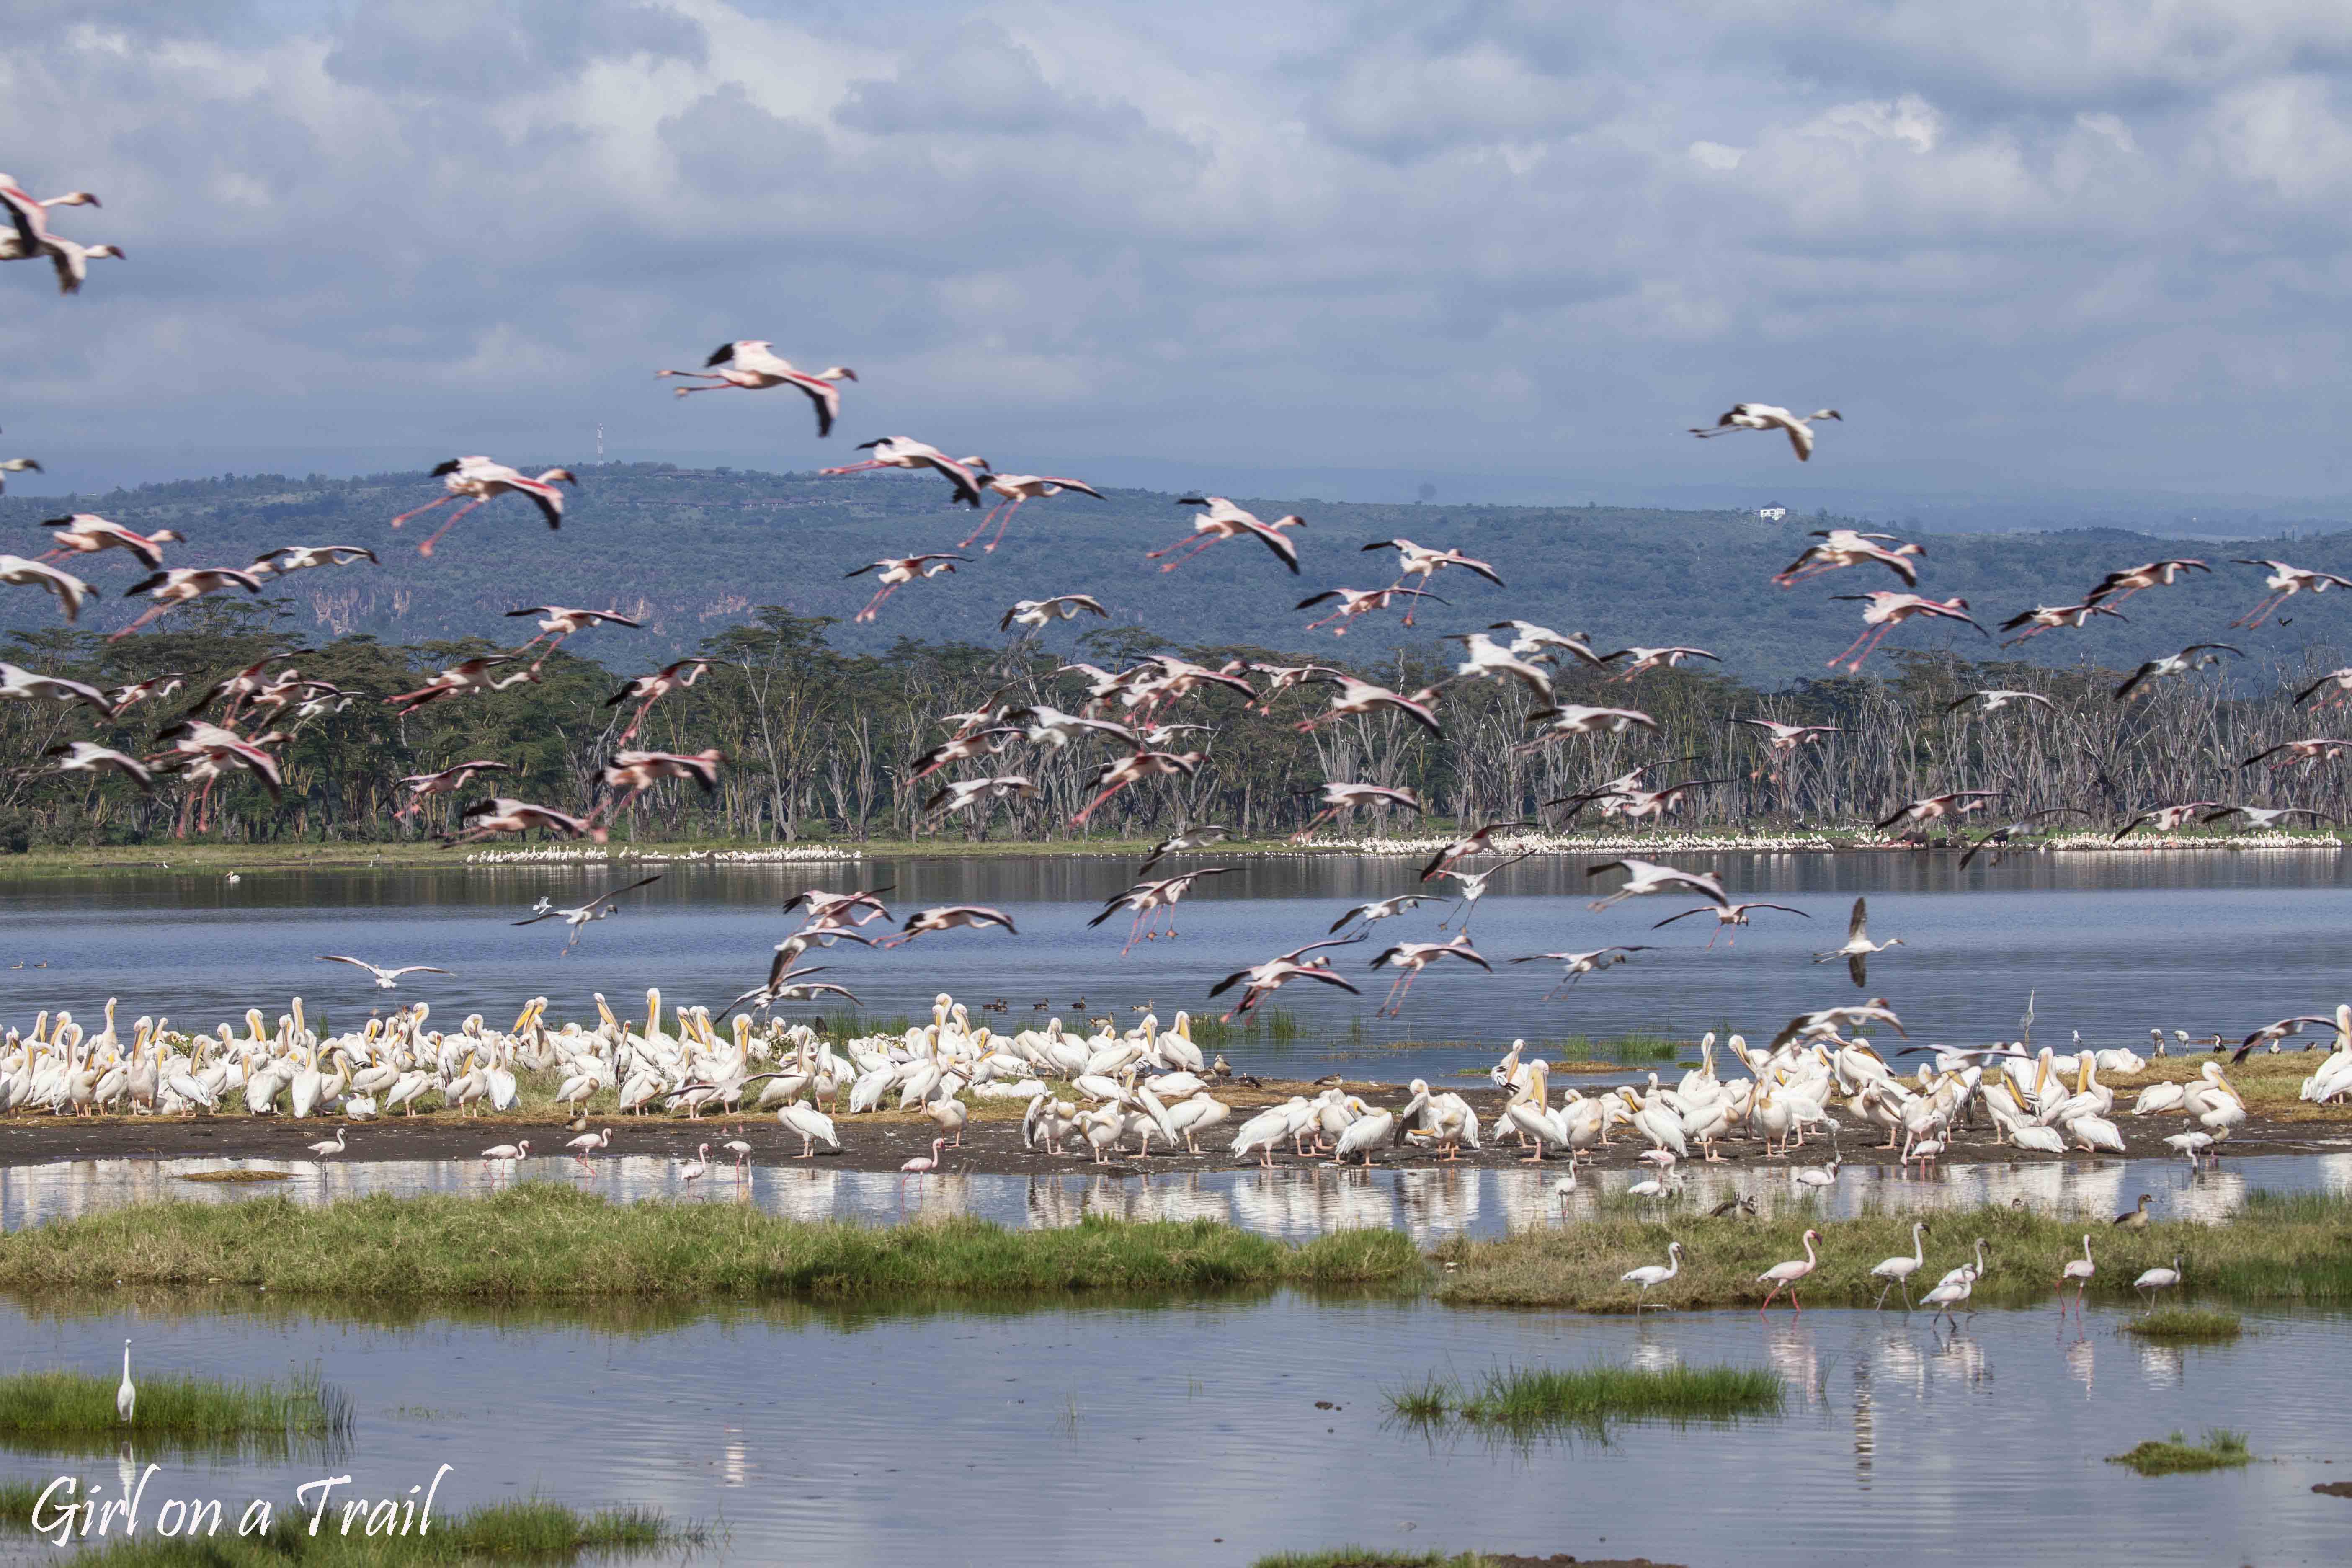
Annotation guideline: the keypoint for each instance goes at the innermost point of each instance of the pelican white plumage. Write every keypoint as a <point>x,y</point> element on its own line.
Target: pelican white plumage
<point>385,979</point>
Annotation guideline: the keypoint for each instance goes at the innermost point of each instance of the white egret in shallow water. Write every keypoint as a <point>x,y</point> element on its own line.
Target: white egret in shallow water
<point>125,1397</point>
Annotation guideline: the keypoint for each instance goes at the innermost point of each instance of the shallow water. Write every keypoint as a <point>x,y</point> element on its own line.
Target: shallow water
<point>2112,944</point>
<point>1291,1202</point>
<point>1190,1434</point>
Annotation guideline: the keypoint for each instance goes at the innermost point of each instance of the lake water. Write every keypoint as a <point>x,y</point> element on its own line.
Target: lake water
<point>2111,944</point>
<point>1191,1435</point>
<point>1292,1202</point>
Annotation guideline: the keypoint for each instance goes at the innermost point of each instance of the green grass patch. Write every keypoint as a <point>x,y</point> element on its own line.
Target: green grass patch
<point>546,1240</point>
<point>2186,1325</point>
<point>16,1501</point>
<point>1528,1400</point>
<point>2296,1252</point>
<point>2173,1456</point>
<point>528,1531</point>
<point>1371,1557</point>
<point>74,1411</point>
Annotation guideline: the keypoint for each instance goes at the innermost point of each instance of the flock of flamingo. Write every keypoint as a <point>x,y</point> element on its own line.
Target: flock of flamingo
<point>1135,1085</point>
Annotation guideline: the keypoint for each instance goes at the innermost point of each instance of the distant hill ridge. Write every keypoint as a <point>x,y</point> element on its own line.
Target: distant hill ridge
<point>691,552</point>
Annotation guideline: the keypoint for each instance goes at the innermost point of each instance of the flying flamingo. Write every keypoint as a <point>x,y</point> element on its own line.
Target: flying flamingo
<point>1843,547</point>
<point>1039,613</point>
<point>577,917</point>
<point>1420,561</point>
<point>648,690</point>
<point>637,772</point>
<point>479,480</point>
<point>1644,877</point>
<point>2164,818</point>
<point>2121,585</point>
<point>1477,841</point>
<point>1411,958</point>
<point>464,677</point>
<point>2285,582</point>
<point>1888,610</point>
<point>1765,416</point>
<point>70,590</point>
<point>21,685</point>
<point>1225,521</point>
<point>288,558</point>
<point>1790,1275</point>
<point>423,786</point>
<point>898,570</point>
<point>1358,698</point>
<point>560,621</point>
<point>905,452</point>
<point>1338,799</point>
<point>1354,602</point>
<point>17,465</point>
<point>179,584</point>
<point>2318,748</point>
<point>88,757</point>
<point>1263,980</point>
<point>750,364</point>
<point>1017,488</point>
<point>2186,661</point>
<point>949,917</point>
<point>1646,659</point>
<point>962,794</point>
<point>1184,841</point>
<point>87,533</point>
<point>1135,768</point>
<point>1147,899</point>
<point>1574,718</point>
<point>1579,964</point>
<point>487,818</point>
<point>1729,916</point>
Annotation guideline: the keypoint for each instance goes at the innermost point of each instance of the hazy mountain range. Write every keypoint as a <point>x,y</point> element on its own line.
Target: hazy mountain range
<point>691,552</point>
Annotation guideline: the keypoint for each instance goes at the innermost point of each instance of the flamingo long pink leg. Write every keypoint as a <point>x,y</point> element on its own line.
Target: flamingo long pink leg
<point>875,603</point>
<point>421,510</point>
<point>2261,612</point>
<point>426,548</point>
<point>146,618</point>
<point>1096,801</point>
<point>1001,526</point>
<point>1156,554</point>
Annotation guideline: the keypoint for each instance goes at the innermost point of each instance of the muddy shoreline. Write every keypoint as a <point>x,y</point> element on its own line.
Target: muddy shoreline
<point>992,1141</point>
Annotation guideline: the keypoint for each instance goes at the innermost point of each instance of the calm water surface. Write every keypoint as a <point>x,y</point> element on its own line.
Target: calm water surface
<point>2111,944</point>
<point>1292,1202</point>
<point>1191,1433</point>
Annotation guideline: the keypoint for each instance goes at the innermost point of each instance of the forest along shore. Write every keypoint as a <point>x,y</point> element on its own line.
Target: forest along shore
<point>196,858</point>
<point>881,1141</point>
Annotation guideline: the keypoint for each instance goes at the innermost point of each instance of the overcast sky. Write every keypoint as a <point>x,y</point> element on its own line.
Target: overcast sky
<point>2086,244</point>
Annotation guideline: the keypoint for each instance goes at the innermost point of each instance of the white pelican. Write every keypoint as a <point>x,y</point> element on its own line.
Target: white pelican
<point>385,979</point>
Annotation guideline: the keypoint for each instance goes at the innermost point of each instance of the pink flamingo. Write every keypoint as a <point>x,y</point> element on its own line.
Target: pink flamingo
<point>1790,1275</point>
<point>1890,610</point>
<point>480,479</point>
<point>923,1165</point>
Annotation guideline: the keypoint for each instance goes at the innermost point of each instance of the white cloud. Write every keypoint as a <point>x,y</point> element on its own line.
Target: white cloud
<point>1048,232</point>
